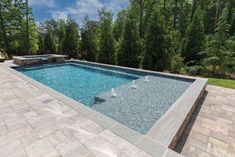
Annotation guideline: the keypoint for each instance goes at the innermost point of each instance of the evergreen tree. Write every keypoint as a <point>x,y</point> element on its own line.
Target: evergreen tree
<point>29,46</point>
<point>88,44</point>
<point>27,34</point>
<point>118,28</point>
<point>17,28</point>
<point>155,55</point>
<point>41,48</point>
<point>106,42</point>
<point>159,33</point>
<point>49,44</point>
<point>70,44</point>
<point>215,49</point>
<point>4,12</point>
<point>130,44</point>
<point>57,28</point>
<point>192,43</point>
<point>231,17</point>
<point>61,35</point>
<point>53,25</point>
<point>230,55</point>
<point>174,52</point>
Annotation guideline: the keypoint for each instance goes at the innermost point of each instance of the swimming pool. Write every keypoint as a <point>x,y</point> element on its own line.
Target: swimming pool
<point>138,108</point>
<point>79,82</point>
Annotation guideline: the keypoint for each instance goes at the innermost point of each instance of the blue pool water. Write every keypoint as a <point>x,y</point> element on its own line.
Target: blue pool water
<point>79,82</point>
<point>91,85</point>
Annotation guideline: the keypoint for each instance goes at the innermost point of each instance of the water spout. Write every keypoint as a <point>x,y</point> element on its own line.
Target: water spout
<point>113,93</point>
<point>146,79</point>
<point>134,85</point>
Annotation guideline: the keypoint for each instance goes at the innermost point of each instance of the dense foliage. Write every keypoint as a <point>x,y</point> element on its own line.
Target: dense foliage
<point>18,34</point>
<point>181,36</point>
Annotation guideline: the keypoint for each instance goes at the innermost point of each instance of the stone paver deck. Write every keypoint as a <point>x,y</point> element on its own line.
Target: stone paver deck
<point>211,131</point>
<point>35,124</point>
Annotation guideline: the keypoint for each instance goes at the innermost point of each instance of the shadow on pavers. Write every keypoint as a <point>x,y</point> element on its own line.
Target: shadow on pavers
<point>180,145</point>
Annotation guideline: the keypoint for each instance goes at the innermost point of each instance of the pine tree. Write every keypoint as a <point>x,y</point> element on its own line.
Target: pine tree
<point>28,35</point>
<point>106,41</point>
<point>231,17</point>
<point>71,40</point>
<point>192,43</point>
<point>88,43</point>
<point>230,55</point>
<point>18,33</point>
<point>215,47</point>
<point>49,44</point>
<point>4,42</point>
<point>155,55</point>
<point>118,27</point>
<point>130,44</point>
<point>61,35</point>
<point>41,48</point>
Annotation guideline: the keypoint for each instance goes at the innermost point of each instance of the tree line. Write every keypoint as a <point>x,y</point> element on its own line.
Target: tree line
<point>181,36</point>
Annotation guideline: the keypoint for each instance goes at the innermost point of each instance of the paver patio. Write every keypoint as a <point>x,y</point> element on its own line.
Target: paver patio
<point>34,123</point>
<point>211,131</point>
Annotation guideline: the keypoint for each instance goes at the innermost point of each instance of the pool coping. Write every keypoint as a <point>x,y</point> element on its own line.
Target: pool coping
<point>165,132</point>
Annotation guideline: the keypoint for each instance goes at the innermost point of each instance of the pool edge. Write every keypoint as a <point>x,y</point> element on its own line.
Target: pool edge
<point>168,129</point>
<point>130,135</point>
<point>170,75</point>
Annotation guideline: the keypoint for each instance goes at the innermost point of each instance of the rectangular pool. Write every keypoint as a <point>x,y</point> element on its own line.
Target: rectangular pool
<point>138,109</point>
<point>82,83</point>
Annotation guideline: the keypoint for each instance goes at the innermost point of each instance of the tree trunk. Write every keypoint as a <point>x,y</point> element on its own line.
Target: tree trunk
<point>141,5</point>
<point>181,17</point>
<point>193,9</point>
<point>217,13</point>
<point>164,8</point>
<point>175,13</point>
<point>27,27</point>
<point>6,44</point>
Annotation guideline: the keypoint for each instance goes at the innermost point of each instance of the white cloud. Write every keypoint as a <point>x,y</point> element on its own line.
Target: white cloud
<point>48,3</point>
<point>88,7</point>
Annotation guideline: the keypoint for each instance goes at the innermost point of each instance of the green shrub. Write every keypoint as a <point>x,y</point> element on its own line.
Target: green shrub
<point>196,70</point>
<point>177,65</point>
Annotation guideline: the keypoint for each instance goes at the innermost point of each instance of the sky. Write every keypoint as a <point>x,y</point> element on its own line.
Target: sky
<point>77,9</point>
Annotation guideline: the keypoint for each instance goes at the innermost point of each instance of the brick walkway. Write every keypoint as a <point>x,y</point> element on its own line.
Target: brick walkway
<point>211,131</point>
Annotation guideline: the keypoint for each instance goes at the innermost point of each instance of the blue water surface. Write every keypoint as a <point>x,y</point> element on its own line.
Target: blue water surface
<point>82,83</point>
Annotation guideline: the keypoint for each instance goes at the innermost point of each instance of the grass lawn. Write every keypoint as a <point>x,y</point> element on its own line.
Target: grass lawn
<point>221,83</point>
